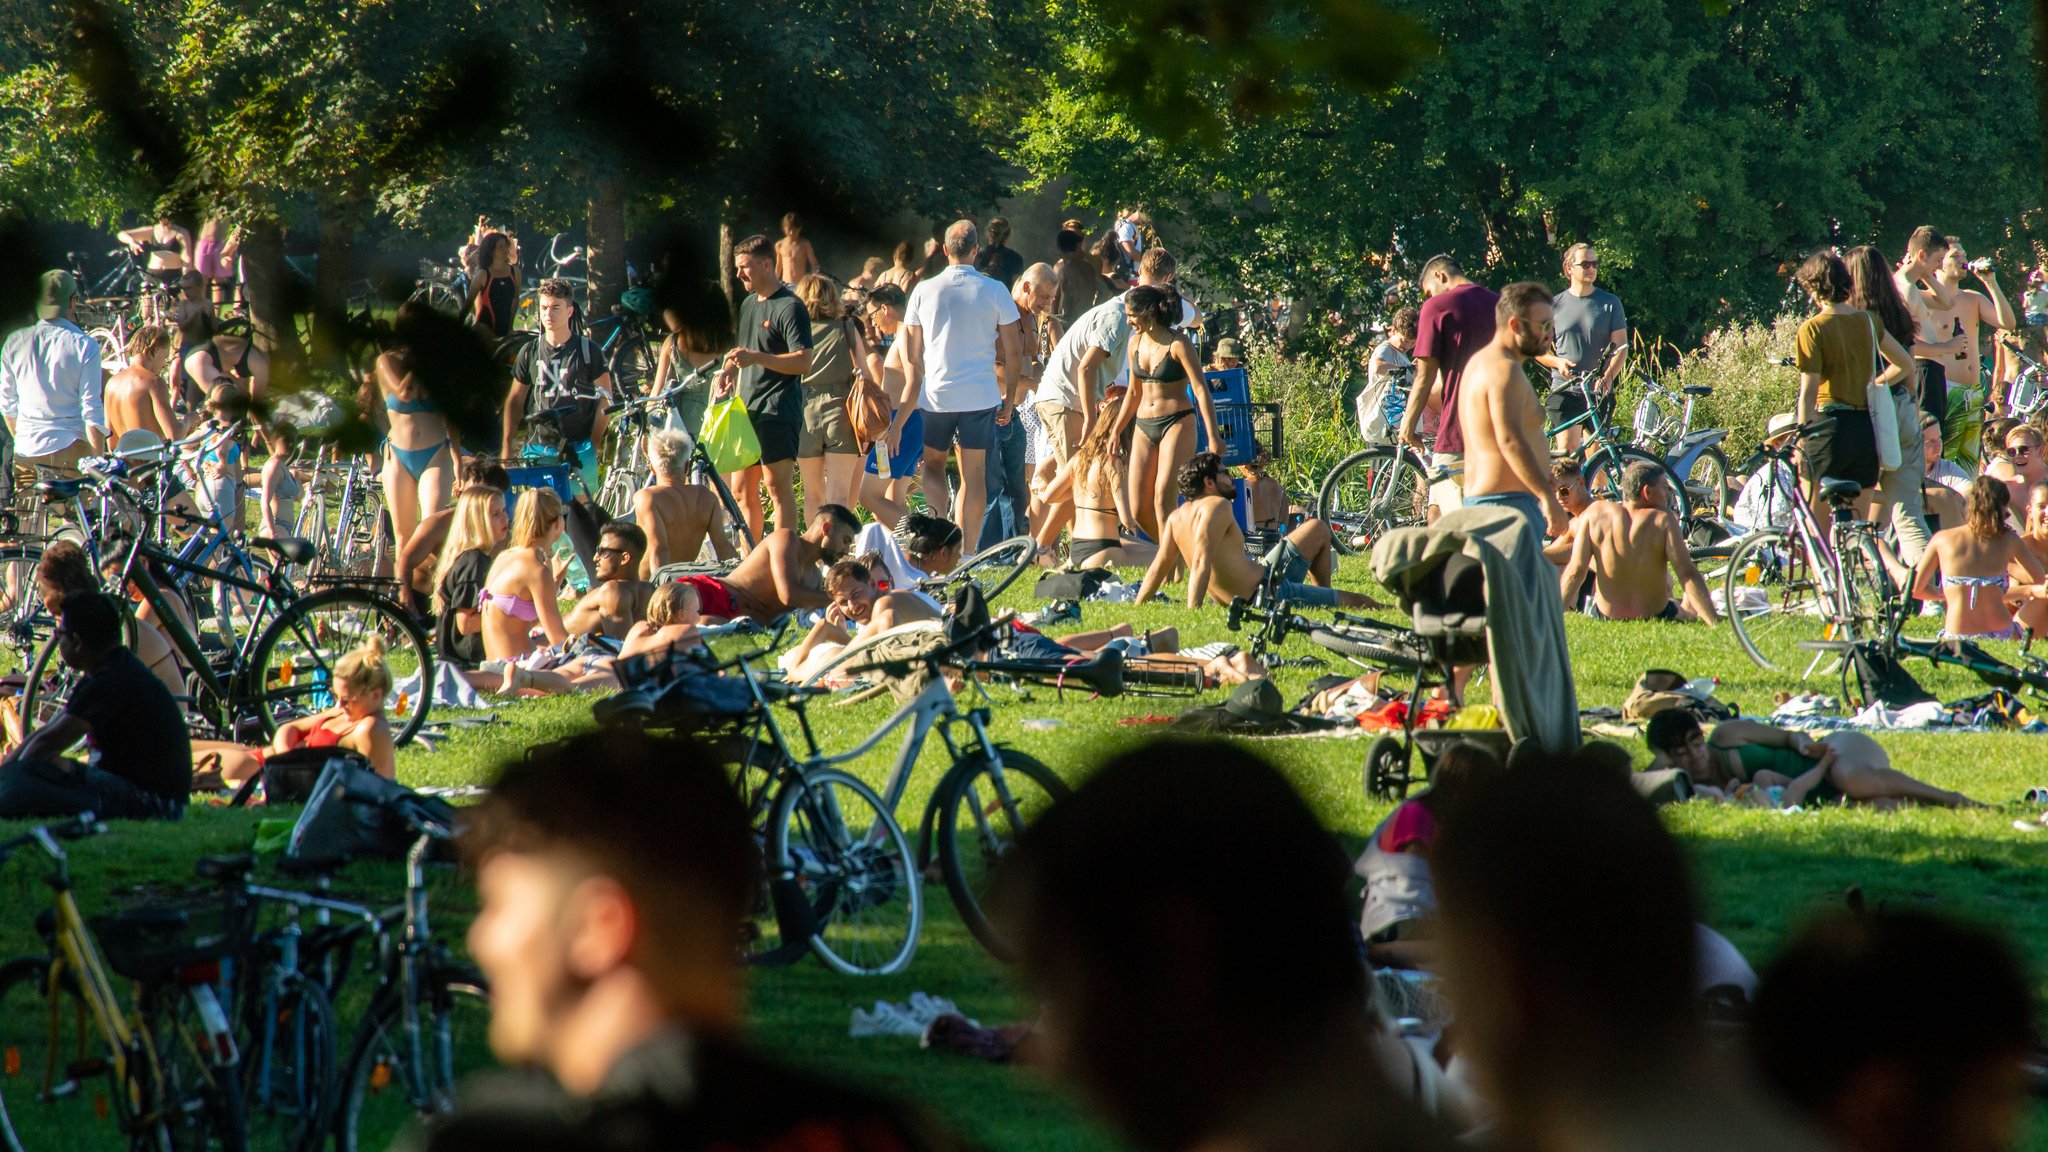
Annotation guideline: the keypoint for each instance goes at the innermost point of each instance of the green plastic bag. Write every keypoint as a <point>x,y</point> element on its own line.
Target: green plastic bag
<point>728,436</point>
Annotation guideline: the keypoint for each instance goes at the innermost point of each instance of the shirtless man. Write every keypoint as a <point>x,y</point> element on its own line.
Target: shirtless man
<point>677,515</point>
<point>1568,479</point>
<point>1204,533</point>
<point>137,396</point>
<point>1507,463</point>
<point>856,604</point>
<point>417,556</point>
<point>618,599</point>
<point>1627,547</point>
<point>1966,312</point>
<point>781,573</point>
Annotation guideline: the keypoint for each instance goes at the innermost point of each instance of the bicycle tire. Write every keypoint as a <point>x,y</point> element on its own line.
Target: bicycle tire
<point>275,695</point>
<point>848,873</point>
<point>1791,607</point>
<point>368,1116</point>
<point>1368,650</point>
<point>1598,465</point>
<point>201,1108</point>
<point>1000,812</point>
<point>288,1091</point>
<point>1369,493</point>
<point>32,1052</point>
<point>1007,561</point>
<point>1714,478</point>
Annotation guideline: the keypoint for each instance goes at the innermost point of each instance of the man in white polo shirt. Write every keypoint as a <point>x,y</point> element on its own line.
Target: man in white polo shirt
<point>950,329</point>
<point>51,384</point>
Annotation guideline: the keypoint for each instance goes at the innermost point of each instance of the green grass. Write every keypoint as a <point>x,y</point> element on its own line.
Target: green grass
<point>1759,872</point>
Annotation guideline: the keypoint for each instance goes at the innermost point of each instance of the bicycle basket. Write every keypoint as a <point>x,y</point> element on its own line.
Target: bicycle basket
<point>158,939</point>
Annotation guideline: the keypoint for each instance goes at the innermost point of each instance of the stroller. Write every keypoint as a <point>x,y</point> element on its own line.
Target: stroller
<point>1446,606</point>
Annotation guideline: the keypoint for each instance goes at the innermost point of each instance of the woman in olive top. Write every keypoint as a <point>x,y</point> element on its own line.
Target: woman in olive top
<point>1837,353</point>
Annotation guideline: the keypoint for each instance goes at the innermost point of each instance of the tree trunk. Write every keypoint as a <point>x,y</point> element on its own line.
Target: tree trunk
<point>275,297</point>
<point>605,221</point>
<point>330,288</point>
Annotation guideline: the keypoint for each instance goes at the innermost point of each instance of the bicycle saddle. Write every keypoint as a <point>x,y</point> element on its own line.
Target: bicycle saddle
<point>57,489</point>
<point>1697,390</point>
<point>233,867</point>
<point>1839,490</point>
<point>291,549</point>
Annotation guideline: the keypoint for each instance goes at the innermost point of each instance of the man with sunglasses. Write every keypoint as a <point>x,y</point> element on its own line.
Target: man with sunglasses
<point>1586,320</point>
<point>1505,464</point>
<point>618,598</point>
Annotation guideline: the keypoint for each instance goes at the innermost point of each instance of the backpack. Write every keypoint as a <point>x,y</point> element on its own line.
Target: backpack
<point>1660,689</point>
<point>1883,680</point>
<point>355,814</point>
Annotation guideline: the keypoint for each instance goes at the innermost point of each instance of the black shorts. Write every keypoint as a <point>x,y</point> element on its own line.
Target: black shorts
<point>973,430</point>
<point>1564,403</point>
<point>779,437</point>
<point>1843,450</point>
<point>1933,389</point>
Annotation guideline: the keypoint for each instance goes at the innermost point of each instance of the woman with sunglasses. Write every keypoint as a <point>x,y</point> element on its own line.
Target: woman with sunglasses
<point>2022,464</point>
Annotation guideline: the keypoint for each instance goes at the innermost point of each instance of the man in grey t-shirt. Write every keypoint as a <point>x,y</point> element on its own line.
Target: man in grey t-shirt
<point>1587,320</point>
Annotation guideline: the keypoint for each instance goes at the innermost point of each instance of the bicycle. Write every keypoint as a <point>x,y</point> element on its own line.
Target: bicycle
<point>441,286</point>
<point>343,514</point>
<point>1780,585</point>
<point>1694,454</point>
<point>1606,455</point>
<point>166,1062</point>
<point>992,570</point>
<point>280,668</point>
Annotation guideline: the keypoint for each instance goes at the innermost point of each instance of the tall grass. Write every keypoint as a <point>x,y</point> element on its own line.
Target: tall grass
<point>1314,394</point>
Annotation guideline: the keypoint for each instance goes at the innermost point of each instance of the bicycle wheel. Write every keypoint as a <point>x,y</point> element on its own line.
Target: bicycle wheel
<point>1381,651</point>
<point>294,661</point>
<point>1709,475</point>
<point>47,1100</point>
<point>201,1107</point>
<point>1775,601</point>
<point>289,1051</point>
<point>1370,493</point>
<point>1603,472</point>
<point>995,568</point>
<point>834,845</point>
<point>983,808</point>
<point>389,1084</point>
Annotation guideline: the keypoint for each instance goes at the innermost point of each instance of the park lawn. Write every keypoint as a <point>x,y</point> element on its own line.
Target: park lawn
<point>1758,872</point>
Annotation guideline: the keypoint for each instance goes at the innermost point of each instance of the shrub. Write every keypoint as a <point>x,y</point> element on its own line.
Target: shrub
<point>1748,388</point>
<point>1314,395</point>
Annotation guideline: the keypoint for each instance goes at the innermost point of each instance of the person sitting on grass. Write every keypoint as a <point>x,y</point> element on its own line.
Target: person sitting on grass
<point>613,875</point>
<point>1742,757</point>
<point>1764,502</point>
<point>1970,567</point>
<point>677,516</point>
<point>64,569</point>
<point>520,591</point>
<point>673,617</point>
<point>1267,498</point>
<point>1202,536</point>
<point>1090,482</point>
<point>140,764</point>
<point>618,599</point>
<point>418,555</point>
<point>1569,478</point>
<point>361,683</point>
<point>1628,548</point>
<point>475,532</point>
<point>1400,898</point>
<point>781,573</point>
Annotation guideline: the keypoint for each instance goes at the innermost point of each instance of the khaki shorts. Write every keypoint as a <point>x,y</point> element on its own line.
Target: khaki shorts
<point>1445,495</point>
<point>64,462</point>
<point>826,428</point>
<point>1053,415</point>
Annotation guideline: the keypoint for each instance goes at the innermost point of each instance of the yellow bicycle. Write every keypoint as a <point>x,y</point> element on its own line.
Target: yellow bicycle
<point>81,1069</point>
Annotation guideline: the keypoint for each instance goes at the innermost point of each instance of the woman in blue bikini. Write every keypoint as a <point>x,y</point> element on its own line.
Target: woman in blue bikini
<point>1975,562</point>
<point>419,454</point>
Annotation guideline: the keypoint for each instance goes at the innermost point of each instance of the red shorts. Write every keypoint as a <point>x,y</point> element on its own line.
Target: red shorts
<point>714,597</point>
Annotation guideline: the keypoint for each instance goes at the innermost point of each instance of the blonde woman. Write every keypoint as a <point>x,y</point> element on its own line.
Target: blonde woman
<point>361,682</point>
<point>827,454</point>
<point>520,591</point>
<point>672,619</point>
<point>475,533</point>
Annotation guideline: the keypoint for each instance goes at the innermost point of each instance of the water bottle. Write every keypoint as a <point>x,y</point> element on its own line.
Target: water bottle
<point>882,459</point>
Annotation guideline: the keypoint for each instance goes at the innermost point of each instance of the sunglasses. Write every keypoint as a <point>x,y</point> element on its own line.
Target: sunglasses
<point>604,550</point>
<point>1589,264</point>
<point>2020,449</point>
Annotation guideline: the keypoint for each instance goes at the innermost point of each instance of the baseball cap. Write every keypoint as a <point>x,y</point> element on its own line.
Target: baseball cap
<point>1228,347</point>
<point>58,287</point>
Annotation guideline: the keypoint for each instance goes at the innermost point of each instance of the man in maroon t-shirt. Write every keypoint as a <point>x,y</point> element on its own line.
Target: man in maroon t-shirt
<point>1456,321</point>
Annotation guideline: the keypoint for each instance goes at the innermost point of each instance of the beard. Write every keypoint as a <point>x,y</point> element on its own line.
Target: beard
<point>1532,344</point>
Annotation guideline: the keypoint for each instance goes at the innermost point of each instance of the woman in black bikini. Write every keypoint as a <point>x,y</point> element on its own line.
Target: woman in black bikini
<point>1089,478</point>
<point>1162,363</point>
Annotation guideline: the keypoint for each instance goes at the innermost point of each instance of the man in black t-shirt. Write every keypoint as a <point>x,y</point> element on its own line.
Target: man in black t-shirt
<point>560,368</point>
<point>142,769</point>
<point>773,355</point>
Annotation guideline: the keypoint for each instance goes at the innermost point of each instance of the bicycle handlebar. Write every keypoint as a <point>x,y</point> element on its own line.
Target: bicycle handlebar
<point>45,836</point>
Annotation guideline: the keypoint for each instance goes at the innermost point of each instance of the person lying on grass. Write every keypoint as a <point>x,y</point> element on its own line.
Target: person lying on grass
<point>673,616</point>
<point>1743,756</point>
<point>781,573</point>
<point>858,606</point>
<point>357,723</point>
<point>1202,536</point>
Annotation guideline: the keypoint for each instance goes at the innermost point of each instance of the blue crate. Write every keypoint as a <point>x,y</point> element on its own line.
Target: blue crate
<point>1245,428</point>
<point>555,476</point>
<point>1226,386</point>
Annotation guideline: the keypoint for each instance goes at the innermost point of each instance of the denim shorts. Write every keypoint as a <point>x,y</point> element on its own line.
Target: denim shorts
<point>1292,567</point>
